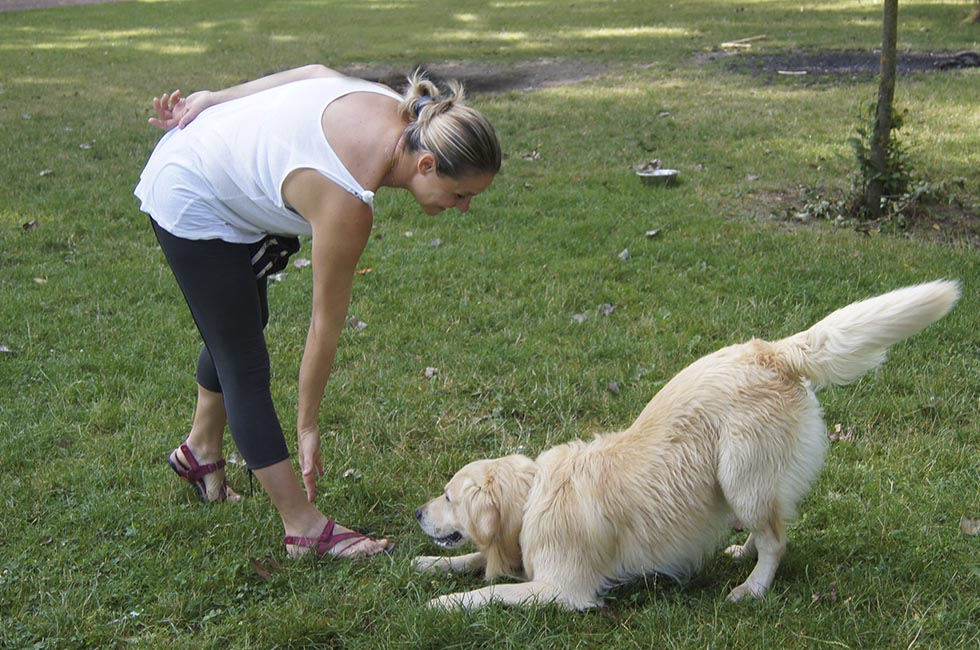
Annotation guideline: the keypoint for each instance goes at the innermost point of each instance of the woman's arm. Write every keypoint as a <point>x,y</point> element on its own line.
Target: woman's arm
<point>341,228</point>
<point>175,110</point>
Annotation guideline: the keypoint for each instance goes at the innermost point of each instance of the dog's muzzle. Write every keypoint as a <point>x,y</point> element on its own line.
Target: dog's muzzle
<point>449,541</point>
<point>452,540</point>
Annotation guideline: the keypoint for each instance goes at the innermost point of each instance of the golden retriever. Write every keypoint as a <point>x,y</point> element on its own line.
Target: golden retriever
<point>736,436</point>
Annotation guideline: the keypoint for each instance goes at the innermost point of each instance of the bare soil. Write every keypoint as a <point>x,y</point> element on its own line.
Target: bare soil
<point>943,220</point>
<point>478,77</point>
<point>839,65</point>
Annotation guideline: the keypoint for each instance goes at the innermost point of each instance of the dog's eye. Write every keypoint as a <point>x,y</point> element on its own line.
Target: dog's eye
<point>447,499</point>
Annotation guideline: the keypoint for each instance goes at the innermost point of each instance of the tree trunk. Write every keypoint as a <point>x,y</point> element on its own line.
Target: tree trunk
<point>881,137</point>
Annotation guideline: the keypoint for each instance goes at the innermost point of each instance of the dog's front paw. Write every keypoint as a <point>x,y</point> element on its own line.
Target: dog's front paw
<point>429,563</point>
<point>746,590</point>
<point>444,603</point>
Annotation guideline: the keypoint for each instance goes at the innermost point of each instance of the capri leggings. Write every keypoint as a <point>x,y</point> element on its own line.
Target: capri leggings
<point>230,308</point>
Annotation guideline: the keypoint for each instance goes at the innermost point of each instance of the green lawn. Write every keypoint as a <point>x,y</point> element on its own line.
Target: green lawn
<point>102,547</point>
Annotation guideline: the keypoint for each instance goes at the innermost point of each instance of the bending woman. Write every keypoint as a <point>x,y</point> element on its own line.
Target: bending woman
<point>239,174</point>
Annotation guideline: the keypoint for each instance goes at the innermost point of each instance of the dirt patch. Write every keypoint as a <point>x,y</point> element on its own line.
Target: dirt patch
<point>857,65</point>
<point>479,77</point>
<point>940,217</point>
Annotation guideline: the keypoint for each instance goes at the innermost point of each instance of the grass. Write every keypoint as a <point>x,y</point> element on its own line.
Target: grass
<point>102,547</point>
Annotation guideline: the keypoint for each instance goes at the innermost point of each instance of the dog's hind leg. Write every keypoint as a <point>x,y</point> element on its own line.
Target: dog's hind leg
<point>765,471</point>
<point>769,543</point>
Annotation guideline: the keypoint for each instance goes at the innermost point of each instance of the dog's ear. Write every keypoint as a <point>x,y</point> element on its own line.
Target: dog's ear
<point>504,491</point>
<point>482,508</point>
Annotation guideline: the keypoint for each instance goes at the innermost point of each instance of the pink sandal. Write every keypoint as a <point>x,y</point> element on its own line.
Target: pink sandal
<point>323,544</point>
<point>195,473</point>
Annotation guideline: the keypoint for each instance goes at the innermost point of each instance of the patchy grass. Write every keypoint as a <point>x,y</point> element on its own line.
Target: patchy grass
<point>102,547</point>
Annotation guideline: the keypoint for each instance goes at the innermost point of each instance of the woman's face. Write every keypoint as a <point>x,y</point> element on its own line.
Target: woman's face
<point>436,193</point>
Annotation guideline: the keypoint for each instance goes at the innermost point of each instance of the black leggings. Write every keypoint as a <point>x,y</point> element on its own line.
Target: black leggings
<point>230,308</point>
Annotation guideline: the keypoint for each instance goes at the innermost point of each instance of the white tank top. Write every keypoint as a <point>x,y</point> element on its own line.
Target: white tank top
<point>221,176</point>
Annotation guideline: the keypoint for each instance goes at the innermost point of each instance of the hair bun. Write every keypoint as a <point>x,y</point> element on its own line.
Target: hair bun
<point>421,103</point>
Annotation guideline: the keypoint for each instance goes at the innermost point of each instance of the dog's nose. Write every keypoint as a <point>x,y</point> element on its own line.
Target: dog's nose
<point>418,513</point>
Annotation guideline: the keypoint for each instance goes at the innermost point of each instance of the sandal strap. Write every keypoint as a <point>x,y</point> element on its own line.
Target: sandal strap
<point>309,542</point>
<point>196,471</point>
<point>323,544</point>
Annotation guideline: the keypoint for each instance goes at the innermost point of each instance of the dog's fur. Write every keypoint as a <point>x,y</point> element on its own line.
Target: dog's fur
<point>736,436</point>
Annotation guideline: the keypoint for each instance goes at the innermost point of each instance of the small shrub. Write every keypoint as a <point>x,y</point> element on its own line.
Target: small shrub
<point>895,177</point>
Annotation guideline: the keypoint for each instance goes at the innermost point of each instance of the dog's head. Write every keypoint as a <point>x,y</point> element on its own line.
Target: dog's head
<point>483,504</point>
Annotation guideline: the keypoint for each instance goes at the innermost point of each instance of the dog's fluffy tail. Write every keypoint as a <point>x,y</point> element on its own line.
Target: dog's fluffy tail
<point>855,339</point>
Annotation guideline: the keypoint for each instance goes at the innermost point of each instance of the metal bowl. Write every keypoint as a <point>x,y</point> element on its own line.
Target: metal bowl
<point>658,177</point>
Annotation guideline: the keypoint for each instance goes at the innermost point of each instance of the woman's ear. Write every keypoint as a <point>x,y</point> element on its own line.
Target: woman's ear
<point>426,163</point>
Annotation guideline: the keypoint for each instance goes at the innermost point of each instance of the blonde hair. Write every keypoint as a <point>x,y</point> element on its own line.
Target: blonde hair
<point>462,140</point>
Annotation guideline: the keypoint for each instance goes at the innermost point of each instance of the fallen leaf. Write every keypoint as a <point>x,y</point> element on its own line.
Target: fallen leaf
<point>532,155</point>
<point>40,281</point>
<point>839,433</point>
<point>85,146</point>
<point>606,309</point>
<point>435,243</point>
<point>45,172</point>
<point>33,224</point>
<point>363,271</point>
<point>969,526</point>
<point>613,387</point>
<point>408,233</point>
<point>356,323</point>
<point>265,569</point>
<point>277,277</point>
<point>431,372</point>
<point>579,318</point>
<point>624,254</point>
<point>5,350</point>
<point>752,177</point>
<point>301,262</point>
<point>652,233</point>
<point>353,474</point>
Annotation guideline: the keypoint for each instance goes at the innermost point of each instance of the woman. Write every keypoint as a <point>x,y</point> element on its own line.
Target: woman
<point>247,168</point>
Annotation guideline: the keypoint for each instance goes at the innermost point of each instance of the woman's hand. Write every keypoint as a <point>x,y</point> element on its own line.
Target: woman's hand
<point>174,110</point>
<point>310,460</point>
